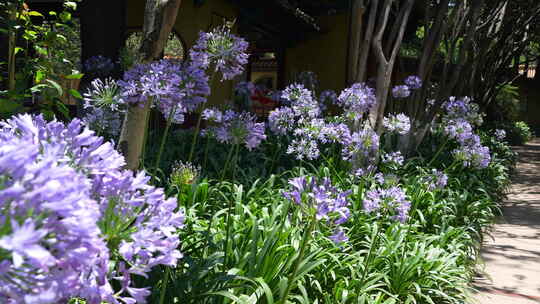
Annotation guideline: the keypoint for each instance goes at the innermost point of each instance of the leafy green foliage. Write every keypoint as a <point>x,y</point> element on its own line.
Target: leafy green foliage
<point>429,259</point>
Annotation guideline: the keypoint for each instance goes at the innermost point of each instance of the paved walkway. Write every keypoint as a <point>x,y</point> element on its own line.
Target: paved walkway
<point>512,256</point>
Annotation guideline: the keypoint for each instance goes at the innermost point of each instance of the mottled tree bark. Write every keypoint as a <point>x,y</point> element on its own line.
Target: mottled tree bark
<point>386,61</point>
<point>356,27</point>
<point>367,42</point>
<point>159,19</point>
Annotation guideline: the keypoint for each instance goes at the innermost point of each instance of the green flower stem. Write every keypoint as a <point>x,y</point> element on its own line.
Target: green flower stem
<point>438,152</point>
<point>274,157</point>
<point>370,253</point>
<point>235,161</point>
<point>195,136</point>
<point>330,164</point>
<point>305,240</point>
<point>229,156</point>
<point>229,217</point>
<point>206,153</point>
<point>164,285</point>
<point>164,138</point>
<point>198,126</point>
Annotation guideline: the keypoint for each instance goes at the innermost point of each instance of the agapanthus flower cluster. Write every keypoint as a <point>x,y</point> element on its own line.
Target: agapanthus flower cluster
<point>361,147</point>
<point>363,172</point>
<point>301,119</point>
<point>436,180</point>
<point>328,97</point>
<point>282,120</point>
<point>458,122</point>
<point>104,93</point>
<point>401,91</point>
<point>476,156</point>
<point>400,123</point>
<point>245,88</point>
<point>323,201</point>
<point>462,109</point>
<point>184,173</point>
<point>104,107</point>
<point>103,121</point>
<point>500,134</point>
<point>224,51</point>
<point>357,100</point>
<point>173,87</point>
<point>305,144</point>
<point>393,158</point>
<point>460,130</point>
<point>413,82</point>
<point>98,66</point>
<point>235,128</point>
<point>390,202</point>
<point>75,221</point>
<point>302,102</point>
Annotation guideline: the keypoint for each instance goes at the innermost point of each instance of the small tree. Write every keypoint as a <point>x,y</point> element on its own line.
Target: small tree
<point>159,19</point>
<point>377,39</point>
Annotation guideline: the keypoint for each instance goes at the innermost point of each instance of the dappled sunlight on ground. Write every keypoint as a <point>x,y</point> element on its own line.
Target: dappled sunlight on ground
<point>512,253</point>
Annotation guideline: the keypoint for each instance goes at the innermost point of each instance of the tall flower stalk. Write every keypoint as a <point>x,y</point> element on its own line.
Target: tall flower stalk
<point>225,52</point>
<point>301,253</point>
<point>164,137</point>
<point>320,202</point>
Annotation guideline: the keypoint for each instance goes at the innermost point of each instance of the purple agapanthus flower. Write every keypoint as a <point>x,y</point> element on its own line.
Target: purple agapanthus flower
<point>339,236</point>
<point>401,91</point>
<point>103,121</point>
<point>357,100</point>
<point>413,82</point>
<point>104,93</point>
<point>236,128</point>
<point>308,79</point>
<point>460,117</point>
<point>462,109</point>
<point>104,107</point>
<point>436,180</point>
<point>222,50</point>
<point>390,202</point>
<point>98,66</point>
<point>393,158</point>
<point>328,97</point>
<point>362,147</point>
<point>170,85</point>
<point>399,123</point>
<point>281,120</point>
<point>322,200</point>
<point>476,156</point>
<point>69,201</point>
<point>301,101</point>
<point>212,115</point>
<point>459,130</point>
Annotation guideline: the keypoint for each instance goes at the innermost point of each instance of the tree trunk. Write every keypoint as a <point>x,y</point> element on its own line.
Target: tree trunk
<point>386,62</point>
<point>366,44</point>
<point>159,19</point>
<point>356,25</point>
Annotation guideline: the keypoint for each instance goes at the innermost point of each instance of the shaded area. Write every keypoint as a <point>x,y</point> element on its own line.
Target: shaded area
<point>512,254</point>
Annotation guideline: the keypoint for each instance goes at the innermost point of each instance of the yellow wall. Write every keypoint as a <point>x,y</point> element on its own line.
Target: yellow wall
<point>190,21</point>
<point>324,54</point>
